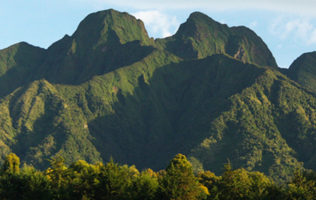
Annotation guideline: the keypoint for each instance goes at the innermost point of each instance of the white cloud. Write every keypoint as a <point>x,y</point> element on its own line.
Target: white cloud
<point>303,7</point>
<point>158,23</point>
<point>299,29</point>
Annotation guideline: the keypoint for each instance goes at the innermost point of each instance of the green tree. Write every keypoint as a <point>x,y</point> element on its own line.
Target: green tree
<point>145,186</point>
<point>211,182</point>
<point>83,179</point>
<point>27,184</point>
<point>35,185</point>
<point>303,186</point>
<point>241,184</point>
<point>57,171</point>
<point>11,164</point>
<point>115,181</point>
<point>57,174</point>
<point>179,182</point>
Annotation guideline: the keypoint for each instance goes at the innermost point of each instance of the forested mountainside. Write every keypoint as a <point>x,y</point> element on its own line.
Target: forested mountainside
<point>210,91</point>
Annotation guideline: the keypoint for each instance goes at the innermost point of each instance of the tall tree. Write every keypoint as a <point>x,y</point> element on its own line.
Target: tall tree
<point>179,182</point>
<point>11,164</point>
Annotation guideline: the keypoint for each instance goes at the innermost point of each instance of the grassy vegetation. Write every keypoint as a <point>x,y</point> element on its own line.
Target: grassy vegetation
<point>201,36</point>
<point>211,92</point>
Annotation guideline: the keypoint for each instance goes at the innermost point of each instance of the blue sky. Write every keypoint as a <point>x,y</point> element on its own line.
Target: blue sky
<point>287,26</point>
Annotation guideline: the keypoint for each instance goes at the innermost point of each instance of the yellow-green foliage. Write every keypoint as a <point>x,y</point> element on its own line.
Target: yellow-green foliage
<point>179,182</point>
<point>82,180</point>
<point>11,164</point>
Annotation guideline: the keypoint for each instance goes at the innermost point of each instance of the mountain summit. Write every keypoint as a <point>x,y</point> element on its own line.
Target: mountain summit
<point>103,41</point>
<point>303,70</point>
<point>201,36</point>
<point>110,26</point>
<point>210,91</point>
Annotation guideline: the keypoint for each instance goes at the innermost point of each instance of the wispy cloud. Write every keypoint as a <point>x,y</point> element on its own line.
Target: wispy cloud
<point>303,7</point>
<point>299,29</point>
<point>158,23</point>
<point>253,24</point>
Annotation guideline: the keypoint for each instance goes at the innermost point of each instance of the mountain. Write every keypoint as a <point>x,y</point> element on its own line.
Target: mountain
<point>303,70</point>
<point>210,91</point>
<point>103,42</point>
<point>201,36</point>
<point>17,64</point>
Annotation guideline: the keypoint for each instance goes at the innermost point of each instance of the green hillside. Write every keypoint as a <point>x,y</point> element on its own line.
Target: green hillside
<point>303,70</point>
<point>17,64</point>
<point>201,36</point>
<point>211,92</point>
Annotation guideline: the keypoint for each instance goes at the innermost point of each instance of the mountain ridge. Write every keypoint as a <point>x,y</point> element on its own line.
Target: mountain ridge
<point>201,36</point>
<point>210,91</point>
<point>303,70</point>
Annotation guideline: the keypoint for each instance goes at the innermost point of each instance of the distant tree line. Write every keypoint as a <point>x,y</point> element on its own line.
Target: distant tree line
<point>112,181</point>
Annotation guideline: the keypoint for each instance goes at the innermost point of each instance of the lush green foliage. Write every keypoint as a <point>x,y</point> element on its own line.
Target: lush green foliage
<point>112,181</point>
<point>201,36</point>
<point>179,182</point>
<point>303,70</point>
<point>210,92</point>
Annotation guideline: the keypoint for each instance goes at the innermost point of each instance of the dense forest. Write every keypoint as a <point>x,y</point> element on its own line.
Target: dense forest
<point>112,181</point>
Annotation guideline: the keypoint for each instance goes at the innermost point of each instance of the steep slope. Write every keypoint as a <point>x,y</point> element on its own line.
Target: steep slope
<point>144,114</point>
<point>17,64</point>
<point>201,36</point>
<point>269,126</point>
<point>211,92</point>
<point>104,41</point>
<point>303,70</point>
<point>37,122</point>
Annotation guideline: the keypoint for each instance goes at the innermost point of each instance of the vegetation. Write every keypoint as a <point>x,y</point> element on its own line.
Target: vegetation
<point>211,92</point>
<point>81,180</point>
<point>201,36</point>
<point>303,70</point>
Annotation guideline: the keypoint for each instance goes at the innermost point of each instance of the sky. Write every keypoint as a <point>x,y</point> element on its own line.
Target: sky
<point>288,27</point>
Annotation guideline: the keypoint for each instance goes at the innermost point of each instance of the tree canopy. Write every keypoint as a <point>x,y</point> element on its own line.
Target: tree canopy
<point>113,181</point>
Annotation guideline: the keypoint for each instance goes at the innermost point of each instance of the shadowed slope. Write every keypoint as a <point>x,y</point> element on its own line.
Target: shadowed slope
<point>104,41</point>
<point>303,70</point>
<point>201,36</point>
<point>17,65</point>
